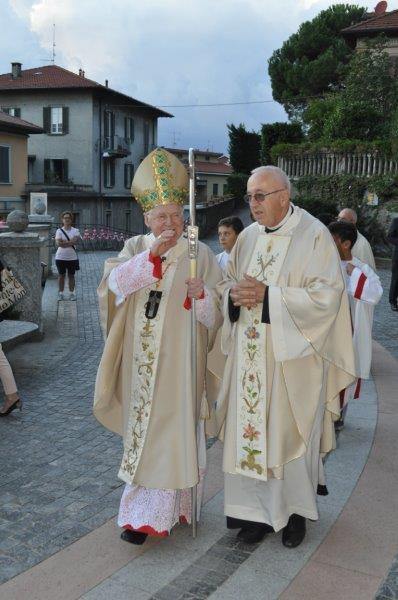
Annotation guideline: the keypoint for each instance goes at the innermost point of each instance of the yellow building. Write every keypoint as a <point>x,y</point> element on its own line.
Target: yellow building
<point>212,171</point>
<point>14,133</point>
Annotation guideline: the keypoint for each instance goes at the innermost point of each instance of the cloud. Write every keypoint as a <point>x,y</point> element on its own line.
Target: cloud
<point>174,52</point>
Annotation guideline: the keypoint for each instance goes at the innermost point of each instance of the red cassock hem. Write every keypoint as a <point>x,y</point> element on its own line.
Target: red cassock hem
<point>148,530</point>
<point>157,265</point>
<point>357,392</point>
<point>188,302</point>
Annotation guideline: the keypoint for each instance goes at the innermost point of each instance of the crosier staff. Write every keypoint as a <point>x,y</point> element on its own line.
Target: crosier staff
<point>193,255</point>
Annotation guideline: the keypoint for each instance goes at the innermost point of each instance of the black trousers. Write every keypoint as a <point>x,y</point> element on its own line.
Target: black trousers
<point>394,283</point>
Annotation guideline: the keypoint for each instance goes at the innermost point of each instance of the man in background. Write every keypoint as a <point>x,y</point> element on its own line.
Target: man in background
<point>361,249</point>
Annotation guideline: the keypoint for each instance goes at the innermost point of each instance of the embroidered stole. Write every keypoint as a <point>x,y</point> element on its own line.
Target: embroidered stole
<point>147,343</point>
<point>251,450</point>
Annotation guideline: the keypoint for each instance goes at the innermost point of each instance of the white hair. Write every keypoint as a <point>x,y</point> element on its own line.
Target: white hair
<point>351,212</point>
<point>150,211</point>
<point>276,172</point>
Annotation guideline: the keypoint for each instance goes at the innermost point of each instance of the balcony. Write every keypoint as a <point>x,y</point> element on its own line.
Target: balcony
<point>115,146</point>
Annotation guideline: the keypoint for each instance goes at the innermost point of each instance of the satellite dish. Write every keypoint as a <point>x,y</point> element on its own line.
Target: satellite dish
<point>381,8</point>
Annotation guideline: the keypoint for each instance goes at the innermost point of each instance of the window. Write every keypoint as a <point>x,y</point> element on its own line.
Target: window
<point>56,120</point>
<point>207,157</point>
<point>13,111</point>
<point>76,219</point>
<point>109,173</point>
<point>215,189</point>
<point>128,175</point>
<point>109,129</point>
<point>129,130</point>
<point>225,188</point>
<point>128,222</point>
<point>108,219</point>
<point>55,170</point>
<point>5,164</point>
<point>146,138</point>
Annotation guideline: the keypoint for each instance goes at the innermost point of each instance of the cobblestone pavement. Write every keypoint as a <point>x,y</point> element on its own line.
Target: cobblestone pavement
<point>58,470</point>
<point>385,326</point>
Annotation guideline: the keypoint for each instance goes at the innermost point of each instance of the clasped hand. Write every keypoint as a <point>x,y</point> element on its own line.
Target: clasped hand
<point>196,287</point>
<point>248,292</point>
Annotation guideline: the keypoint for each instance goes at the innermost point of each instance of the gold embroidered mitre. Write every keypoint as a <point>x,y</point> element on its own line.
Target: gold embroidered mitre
<point>160,179</point>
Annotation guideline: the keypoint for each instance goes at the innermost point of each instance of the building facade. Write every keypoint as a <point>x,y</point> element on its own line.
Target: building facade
<point>212,170</point>
<point>93,140</point>
<point>14,135</point>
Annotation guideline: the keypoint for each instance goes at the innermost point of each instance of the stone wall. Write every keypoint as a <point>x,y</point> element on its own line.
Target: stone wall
<point>21,252</point>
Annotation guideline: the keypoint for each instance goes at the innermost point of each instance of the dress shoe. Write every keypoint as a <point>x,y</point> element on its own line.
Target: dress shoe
<point>294,532</point>
<point>253,534</point>
<point>14,406</point>
<point>394,307</point>
<point>134,537</point>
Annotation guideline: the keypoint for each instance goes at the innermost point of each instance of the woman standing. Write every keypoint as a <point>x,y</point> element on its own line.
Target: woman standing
<point>66,259</point>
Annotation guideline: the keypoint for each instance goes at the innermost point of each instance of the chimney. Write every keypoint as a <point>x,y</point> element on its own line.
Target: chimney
<point>16,68</point>
<point>106,83</point>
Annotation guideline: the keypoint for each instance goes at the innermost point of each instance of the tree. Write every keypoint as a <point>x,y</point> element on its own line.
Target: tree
<point>313,60</point>
<point>276,133</point>
<point>365,106</point>
<point>244,149</point>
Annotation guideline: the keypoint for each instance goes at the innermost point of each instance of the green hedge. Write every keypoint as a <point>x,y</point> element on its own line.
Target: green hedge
<point>236,185</point>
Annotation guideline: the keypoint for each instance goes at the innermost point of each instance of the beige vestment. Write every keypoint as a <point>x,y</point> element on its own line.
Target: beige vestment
<point>309,359</point>
<point>169,454</point>
<point>363,250</point>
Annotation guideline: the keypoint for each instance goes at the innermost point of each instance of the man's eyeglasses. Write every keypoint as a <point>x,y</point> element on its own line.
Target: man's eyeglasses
<point>260,196</point>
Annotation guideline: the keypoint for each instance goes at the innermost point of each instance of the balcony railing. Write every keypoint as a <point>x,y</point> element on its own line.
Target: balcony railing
<point>361,165</point>
<point>115,146</point>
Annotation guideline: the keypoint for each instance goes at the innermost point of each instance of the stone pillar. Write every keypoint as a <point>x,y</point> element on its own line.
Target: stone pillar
<point>20,250</point>
<point>43,224</point>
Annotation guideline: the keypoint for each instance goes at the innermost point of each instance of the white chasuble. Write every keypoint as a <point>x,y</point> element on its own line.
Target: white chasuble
<point>251,436</point>
<point>147,343</point>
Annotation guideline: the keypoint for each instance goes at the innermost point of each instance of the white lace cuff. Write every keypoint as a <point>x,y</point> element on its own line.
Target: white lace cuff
<point>131,276</point>
<point>205,310</point>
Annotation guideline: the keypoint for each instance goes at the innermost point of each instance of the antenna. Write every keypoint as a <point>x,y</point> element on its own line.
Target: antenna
<point>52,59</point>
<point>53,56</point>
<point>176,135</point>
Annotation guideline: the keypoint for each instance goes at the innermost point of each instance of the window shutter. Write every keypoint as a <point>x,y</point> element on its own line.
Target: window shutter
<point>65,119</point>
<point>47,168</point>
<point>17,112</point>
<point>65,169</point>
<point>126,130</point>
<point>47,119</point>
<point>112,182</point>
<point>112,124</point>
<point>132,128</point>
<point>126,174</point>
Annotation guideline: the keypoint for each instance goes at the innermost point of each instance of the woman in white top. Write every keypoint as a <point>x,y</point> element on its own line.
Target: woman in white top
<point>66,259</point>
<point>228,231</point>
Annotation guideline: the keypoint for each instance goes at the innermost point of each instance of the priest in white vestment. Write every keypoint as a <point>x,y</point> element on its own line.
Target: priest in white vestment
<point>361,249</point>
<point>143,387</point>
<point>364,292</point>
<point>287,335</point>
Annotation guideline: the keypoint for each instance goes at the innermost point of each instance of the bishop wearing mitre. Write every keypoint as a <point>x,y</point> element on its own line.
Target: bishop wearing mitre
<point>143,389</point>
<point>287,334</point>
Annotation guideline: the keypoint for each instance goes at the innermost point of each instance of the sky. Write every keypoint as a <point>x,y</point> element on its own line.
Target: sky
<point>167,53</point>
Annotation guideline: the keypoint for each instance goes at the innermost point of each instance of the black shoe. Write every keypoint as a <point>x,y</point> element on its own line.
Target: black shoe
<point>253,534</point>
<point>134,537</point>
<point>14,406</point>
<point>394,307</point>
<point>338,425</point>
<point>294,532</point>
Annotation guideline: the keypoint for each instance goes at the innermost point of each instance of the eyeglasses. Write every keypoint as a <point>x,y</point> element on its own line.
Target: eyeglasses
<point>260,196</point>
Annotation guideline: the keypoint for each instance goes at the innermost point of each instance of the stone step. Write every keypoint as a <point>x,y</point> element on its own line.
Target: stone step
<point>15,332</point>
